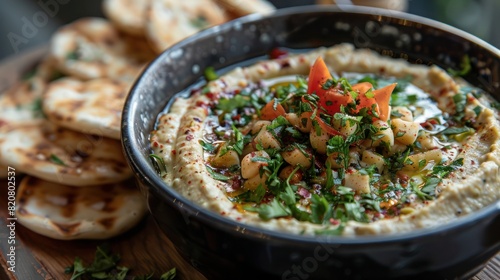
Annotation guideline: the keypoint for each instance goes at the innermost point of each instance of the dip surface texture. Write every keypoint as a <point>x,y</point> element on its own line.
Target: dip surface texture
<point>379,146</point>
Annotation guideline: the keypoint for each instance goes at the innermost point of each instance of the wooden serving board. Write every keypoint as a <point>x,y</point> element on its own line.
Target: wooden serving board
<point>144,249</point>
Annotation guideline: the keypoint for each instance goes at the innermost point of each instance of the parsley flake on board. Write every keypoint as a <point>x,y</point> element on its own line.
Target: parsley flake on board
<point>105,267</point>
<point>55,159</point>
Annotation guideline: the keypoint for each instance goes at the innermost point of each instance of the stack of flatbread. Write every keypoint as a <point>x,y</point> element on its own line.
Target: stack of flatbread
<point>60,125</point>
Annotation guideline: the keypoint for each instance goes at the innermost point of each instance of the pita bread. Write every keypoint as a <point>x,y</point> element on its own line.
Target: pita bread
<point>64,212</point>
<point>63,156</point>
<point>21,103</point>
<point>127,15</point>
<point>240,8</point>
<point>94,105</point>
<point>92,48</point>
<point>169,21</point>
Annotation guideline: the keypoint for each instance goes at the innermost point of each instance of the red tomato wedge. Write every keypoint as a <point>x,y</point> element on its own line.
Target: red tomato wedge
<point>383,97</point>
<point>362,87</point>
<point>268,112</point>
<point>330,99</point>
<point>318,75</point>
<point>363,100</point>
<point>380,97</point>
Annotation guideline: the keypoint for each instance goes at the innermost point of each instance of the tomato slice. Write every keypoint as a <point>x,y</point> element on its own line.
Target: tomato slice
<point>362,87</point>
<point>380,97</point>
<point>383,97</point>
<point>331,99</point>
<point>269,113</point>
<point>364,100</point>
<point>318,75</point>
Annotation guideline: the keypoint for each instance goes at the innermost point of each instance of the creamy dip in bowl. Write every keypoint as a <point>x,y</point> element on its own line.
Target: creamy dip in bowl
<point>358,227</point>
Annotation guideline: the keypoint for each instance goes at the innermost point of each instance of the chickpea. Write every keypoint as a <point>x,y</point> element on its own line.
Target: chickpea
<point>296,157</point>
<point>225,160</point>
<point>406,114</point>
<point>302,122</point>
<point>318,142</point>
<point>287,171</point>
<point>385,133</point>
<point>254,182</point>
<point>250,167</point>
<point>258,125</point>
<point>405,132</point>
<point>266,139</point>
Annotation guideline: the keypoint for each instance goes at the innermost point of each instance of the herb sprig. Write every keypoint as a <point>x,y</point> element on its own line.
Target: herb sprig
<point>105,267</point>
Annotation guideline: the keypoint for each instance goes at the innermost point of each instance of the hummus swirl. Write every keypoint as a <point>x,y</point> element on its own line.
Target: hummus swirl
<point>449,166</point>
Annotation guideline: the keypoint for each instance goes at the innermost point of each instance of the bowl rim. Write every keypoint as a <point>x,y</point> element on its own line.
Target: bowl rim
<point>141,167</point>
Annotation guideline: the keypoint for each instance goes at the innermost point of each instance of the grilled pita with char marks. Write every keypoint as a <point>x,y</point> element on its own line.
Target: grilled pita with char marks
<point>64,156</point>
<point>169,21</point>
<point>240,8</point>
<point>127,15</point>
<point>21,103</point>
<point>94,105</point>
<point>64,212</point>
<point>93,48</point>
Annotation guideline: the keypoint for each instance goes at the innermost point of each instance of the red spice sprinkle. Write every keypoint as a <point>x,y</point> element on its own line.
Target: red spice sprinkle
<point>334,222</point>
<point>155,144</point>
<point>174,152</point>
<point>278,53</point>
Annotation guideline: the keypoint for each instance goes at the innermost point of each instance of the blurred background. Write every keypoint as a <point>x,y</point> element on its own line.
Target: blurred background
<point>25,24</point>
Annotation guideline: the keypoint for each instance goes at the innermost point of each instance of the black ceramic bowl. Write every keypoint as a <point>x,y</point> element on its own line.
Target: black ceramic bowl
<point>222,248</point>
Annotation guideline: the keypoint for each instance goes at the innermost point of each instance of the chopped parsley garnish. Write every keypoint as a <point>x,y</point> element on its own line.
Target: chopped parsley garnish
<point>72,55</point>
<point>158,164</point>
<point>215,175</point>
<point>207,146</point>
<point>229,105</point>
<point>210,74</point>
<point>465,67</point>
<point>199,21</point>
<point>105,266</point>
<point>317,188</point>
<point>55,159</point>
<point>37,108</point>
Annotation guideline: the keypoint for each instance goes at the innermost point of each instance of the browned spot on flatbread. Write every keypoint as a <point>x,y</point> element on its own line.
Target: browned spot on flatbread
<point>67,229</point>
<point>76,105</point>
<point>22,210</point>
<point>69,209</point>
<point>108,223</point>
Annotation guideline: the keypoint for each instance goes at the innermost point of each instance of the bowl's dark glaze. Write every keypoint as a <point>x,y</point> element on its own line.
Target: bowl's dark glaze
<point>226,249</point>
